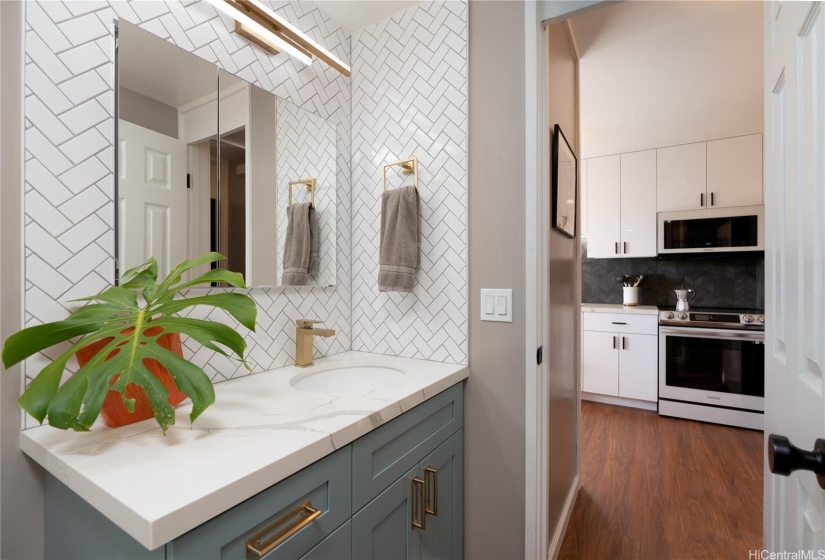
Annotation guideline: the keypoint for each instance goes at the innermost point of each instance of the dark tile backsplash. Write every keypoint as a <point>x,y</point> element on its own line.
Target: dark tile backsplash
<point>723,280</point>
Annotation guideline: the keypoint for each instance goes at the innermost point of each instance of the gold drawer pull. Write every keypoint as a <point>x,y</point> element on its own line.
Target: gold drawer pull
<point>417,500</point>
<point>430,508</point>
<point>255,548</point>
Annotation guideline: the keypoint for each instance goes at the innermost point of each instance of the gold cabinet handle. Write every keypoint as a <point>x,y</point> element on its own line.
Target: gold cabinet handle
<point>419,518</point>
<point>257,547</point>
<point>430,508</point>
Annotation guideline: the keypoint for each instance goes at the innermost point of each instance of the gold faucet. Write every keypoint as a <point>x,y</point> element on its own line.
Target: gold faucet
<point>303,341</point>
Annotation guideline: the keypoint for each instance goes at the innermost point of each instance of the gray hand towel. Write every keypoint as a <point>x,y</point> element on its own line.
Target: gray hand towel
<point>297,245</point>
<point>399,253</point>
<point>314,242</point>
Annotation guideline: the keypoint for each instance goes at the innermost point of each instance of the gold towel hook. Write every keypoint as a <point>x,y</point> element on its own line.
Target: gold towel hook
<point>310,185</point>
<point>407,166</point>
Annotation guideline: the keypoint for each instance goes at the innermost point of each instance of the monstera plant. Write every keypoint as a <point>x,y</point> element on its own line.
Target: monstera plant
<point>126,325</point>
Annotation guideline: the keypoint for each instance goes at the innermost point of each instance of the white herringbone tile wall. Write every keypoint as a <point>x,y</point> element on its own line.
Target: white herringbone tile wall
<point>305,149</point>
<point>409,98</point>
<point>69,157</point>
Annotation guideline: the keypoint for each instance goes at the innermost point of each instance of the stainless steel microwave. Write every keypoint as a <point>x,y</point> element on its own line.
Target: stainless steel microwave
<point>713,230</point>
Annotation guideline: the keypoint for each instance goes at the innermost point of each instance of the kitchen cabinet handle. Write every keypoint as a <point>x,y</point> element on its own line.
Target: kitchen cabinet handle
<point>618,323</point>
<point>701,199</point>
<point>624,343</point>
<point>257,547</point>
<point>615,341</point>
<point>624,247</point>
<point>711,199</point>
<point>616,247</point>
<point>430,508</point>
<point>418,518</point>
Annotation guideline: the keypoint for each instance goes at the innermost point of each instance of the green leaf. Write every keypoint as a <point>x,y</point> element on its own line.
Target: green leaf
<point>116,317</point>
<point>240,306</point>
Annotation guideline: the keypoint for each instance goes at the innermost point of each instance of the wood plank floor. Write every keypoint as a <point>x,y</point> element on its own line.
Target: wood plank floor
<point>658,488</point>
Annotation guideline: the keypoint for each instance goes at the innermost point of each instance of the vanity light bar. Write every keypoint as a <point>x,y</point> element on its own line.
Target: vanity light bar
<point>256,30</point>
<point>285,36</point>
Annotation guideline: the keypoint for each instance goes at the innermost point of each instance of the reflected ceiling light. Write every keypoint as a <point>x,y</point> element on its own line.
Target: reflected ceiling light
<point>259,24</point>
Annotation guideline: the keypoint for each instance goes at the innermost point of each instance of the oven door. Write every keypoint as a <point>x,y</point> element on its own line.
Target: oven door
<point>712,367</point>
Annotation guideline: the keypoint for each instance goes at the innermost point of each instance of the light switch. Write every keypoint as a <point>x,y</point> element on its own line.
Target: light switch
<point>501,305</point>
<point>488,305</point>
<point>497,305</point>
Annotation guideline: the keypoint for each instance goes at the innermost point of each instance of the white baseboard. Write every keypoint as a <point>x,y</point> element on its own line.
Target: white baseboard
<point>620,401</point>
<point>561,528</point>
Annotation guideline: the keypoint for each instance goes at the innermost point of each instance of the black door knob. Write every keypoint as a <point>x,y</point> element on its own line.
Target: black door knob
<point>784,458</point>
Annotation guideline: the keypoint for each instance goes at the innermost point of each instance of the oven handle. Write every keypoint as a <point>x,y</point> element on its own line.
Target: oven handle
<point>691,332</point>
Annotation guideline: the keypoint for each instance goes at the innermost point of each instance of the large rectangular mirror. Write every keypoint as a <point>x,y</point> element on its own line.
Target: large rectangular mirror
<point>204,164</point>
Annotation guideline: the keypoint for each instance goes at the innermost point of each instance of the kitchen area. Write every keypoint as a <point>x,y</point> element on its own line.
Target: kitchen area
<point>673,220</point>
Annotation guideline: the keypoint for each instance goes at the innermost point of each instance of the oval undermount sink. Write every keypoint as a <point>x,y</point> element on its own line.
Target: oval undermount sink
<point>347,379</point>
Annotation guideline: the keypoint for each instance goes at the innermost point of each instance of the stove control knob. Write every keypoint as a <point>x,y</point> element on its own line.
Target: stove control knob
<point>761,319</point>
<point>669,315</point>
<point>748,318</point>
<point>683,315</point>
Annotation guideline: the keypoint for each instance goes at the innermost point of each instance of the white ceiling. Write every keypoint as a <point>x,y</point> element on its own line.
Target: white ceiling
<point>356,14</point>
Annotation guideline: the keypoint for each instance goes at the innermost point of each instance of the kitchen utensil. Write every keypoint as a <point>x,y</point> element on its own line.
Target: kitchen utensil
<point>683,298</point>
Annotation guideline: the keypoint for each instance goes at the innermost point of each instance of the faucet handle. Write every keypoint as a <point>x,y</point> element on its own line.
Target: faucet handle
<point>307,323</point>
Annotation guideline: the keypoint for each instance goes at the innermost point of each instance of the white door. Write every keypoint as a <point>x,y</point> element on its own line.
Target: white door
<point>681,177</point>
<point>152,197</point>
<point>735,172</point>
<point>794,512</point>
<point>638,205</point>
<point>638,367</point>
<point>600,363</point>
<point>603,200</point>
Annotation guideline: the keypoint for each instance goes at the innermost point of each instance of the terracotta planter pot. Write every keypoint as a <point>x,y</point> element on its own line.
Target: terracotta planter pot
<point>114,412</point>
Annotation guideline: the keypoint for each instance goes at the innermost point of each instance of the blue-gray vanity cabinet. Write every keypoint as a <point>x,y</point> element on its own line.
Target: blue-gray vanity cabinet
<point>326,485</point>
<point>443,536</point>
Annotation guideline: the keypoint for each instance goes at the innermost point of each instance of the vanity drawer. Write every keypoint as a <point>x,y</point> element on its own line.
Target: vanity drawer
<point>620,323</point>
<point>326,484</point>
<point>382,456</point>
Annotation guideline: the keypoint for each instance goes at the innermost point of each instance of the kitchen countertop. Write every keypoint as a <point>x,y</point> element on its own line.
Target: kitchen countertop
<point>618,308</point>
<point>259,431</point>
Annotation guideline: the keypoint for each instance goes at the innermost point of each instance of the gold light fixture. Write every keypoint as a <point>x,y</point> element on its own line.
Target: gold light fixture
<point>271,32</point>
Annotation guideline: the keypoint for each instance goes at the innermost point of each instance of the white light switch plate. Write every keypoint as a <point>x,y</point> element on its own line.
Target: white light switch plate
<point>497,305</point>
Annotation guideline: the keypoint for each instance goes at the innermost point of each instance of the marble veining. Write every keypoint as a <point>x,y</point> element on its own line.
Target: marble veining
<point>260,431</point>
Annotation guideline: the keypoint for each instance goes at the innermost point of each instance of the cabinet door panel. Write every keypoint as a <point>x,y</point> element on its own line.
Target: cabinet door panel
<point>337,546</point>
<point>603,199</point>
<point>681,177</point>
<point>600,363</point>
<point>735,172</point>
<point>443,537</point>
<point>383,528</point>
<point>638,363</point>
<point>638,206</point>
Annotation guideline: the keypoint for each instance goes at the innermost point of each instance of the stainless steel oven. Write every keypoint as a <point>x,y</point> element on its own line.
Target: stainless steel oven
<point>712,366</point>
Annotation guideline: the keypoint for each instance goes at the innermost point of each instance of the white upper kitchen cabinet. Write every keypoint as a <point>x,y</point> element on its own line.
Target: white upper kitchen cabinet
<point>681,177</point>
<point>735,172</point>
<point>603,203</point>
<point>621,205</point>
<point>638,207</point>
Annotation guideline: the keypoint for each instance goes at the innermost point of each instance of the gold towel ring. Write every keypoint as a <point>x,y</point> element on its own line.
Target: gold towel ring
<point>407,166</point>
<point>310,185</point>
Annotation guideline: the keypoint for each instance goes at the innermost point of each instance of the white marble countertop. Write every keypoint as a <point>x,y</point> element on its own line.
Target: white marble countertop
<point>259,431</point>
<point>618,308</point>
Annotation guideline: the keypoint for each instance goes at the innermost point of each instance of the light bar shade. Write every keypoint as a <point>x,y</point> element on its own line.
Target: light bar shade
<point>256,29</point>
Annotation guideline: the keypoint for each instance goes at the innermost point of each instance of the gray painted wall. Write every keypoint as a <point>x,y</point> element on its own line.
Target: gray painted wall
<point>563,304</point>
<point>494,444</point>
<point>21,481</point>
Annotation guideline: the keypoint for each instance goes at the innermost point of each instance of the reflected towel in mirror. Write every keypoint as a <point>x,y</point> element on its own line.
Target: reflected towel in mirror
<point>302,242</point>
<point>399,253</point>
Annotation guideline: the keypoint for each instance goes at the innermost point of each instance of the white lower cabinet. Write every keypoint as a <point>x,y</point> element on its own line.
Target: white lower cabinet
<point>618,363</point>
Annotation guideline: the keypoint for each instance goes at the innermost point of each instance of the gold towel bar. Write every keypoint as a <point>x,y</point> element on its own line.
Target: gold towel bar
<point>311,187</point>
<point>407,166</point>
